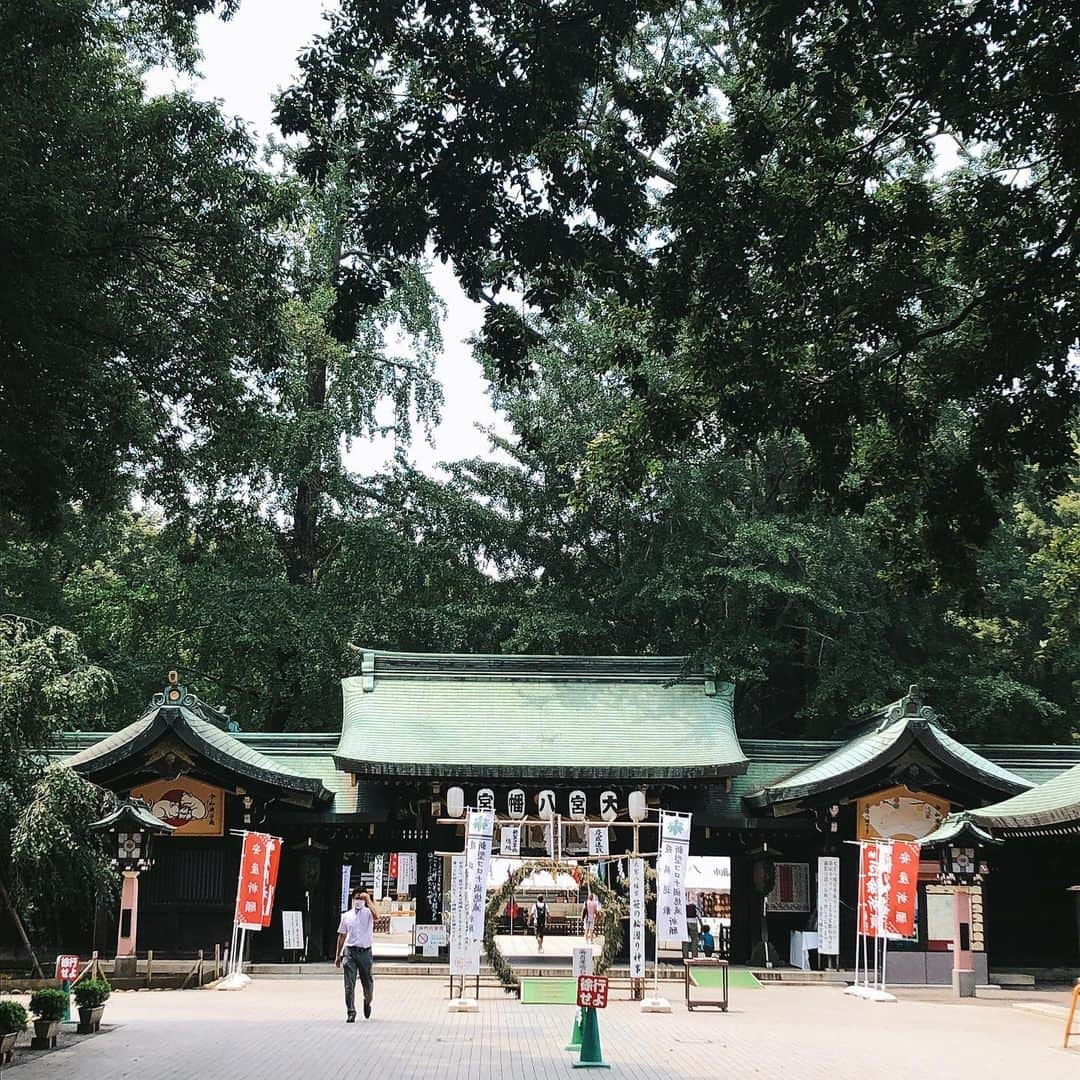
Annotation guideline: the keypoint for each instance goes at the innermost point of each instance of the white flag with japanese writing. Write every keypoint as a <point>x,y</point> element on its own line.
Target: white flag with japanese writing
<point>671,876</point>
<point>477,861</point>
<point>463,959</point>
<point>637,918</point>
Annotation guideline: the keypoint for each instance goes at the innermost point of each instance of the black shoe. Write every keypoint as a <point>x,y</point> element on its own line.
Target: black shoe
<point>367,1010</point>
<point>351,1018</point>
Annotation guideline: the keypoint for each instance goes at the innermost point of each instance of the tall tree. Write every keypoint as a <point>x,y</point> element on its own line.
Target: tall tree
<point>140,275</point>
<point>758,194</point>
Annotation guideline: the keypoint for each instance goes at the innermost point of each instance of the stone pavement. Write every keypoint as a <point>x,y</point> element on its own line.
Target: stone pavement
<point>295,1028</point>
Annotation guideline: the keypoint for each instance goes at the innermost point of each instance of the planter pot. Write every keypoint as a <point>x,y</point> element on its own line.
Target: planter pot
<point>45,1032</point>
<point>90,1018</point>
<point>7,1043</point>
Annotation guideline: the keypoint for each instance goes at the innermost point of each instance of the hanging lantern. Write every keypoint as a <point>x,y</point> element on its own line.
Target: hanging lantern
<point>638,807</point>
<point>455,801</point>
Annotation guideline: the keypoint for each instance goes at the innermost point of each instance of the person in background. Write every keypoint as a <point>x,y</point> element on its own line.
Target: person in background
<point>591,914</point>
<point>539,919</point>
<point>707,943</point>
<point>692,928</point>
<point>354,942</point>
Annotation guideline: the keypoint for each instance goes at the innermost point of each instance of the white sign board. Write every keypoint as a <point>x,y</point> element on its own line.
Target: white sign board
<point>510,840</point>
<point>430,934</point>
<point>377,888</point>
<point>406,870</point>
<point>598,844</point>
<point>346,881</point>
<point>828,905</point>
<point>292,931</point>
<point>637,918</point>
<point>583,962</point>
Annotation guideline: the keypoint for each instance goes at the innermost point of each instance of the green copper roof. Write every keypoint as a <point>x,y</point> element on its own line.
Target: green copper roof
<point>201,736</point>
<point>1055,803</point>
<point>960,826</point>
<point>544,717</point>
<point>899,727</point>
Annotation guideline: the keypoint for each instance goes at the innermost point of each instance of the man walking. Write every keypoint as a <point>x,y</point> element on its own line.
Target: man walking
<point>354,941</point>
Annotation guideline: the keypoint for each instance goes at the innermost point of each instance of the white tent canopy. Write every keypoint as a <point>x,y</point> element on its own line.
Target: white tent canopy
<point>542,880</point>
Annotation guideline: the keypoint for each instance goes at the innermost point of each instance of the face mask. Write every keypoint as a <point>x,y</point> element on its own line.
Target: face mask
<point>357,905</point>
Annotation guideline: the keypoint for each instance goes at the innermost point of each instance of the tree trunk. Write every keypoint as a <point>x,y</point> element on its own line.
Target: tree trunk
<point>21,929</point>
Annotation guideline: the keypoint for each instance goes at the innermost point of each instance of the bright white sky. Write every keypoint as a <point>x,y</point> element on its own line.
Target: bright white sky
<point>246,60</point>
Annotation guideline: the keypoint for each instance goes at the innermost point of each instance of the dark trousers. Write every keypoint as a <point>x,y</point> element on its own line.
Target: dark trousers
<point>356,961</point>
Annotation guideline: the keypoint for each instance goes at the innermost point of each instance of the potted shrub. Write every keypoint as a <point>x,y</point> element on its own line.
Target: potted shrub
<point>12,1024</point>
<point>48,1007</point>
<point>91,994</point>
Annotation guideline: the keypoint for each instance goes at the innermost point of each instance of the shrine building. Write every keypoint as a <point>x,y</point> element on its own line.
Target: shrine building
<point>420,731</point>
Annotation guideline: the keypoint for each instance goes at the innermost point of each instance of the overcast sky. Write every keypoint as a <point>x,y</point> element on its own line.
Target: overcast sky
<point>245,61</point>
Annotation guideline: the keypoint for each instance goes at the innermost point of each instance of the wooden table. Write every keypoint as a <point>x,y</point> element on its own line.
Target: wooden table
<point>706,963</point>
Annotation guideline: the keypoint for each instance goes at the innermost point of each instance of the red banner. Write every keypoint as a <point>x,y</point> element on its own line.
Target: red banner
<point>888,888</point>
<point>903,889</point>
<point>393,867</point>
<point>273,860</point>
<point>249,889</point>
<point>255,889</point>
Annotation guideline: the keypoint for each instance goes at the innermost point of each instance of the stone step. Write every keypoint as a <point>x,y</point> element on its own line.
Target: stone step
<point>1012,978</point>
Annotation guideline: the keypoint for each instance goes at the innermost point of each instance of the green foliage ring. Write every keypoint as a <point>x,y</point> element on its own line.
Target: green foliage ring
<point>612,912</point>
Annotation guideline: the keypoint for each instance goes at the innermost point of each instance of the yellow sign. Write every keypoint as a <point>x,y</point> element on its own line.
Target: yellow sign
<point>192,807</point>
<point>900,814</point>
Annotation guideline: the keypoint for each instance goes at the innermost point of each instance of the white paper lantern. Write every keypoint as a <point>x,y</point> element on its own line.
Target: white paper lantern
<point>485,799</point>
<point>637,806</point>
<point>546,803</point>
<point>455,801</point>
<point>515,803</point>
<point>609,805</point>
<point>578,805</point>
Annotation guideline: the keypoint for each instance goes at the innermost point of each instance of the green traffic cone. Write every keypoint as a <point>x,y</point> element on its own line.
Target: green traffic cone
<point>575,1035</point>
<point>590,1043</point>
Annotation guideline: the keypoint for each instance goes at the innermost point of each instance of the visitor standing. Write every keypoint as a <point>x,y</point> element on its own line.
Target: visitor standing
<point>354,942</point>
<point>539,918</point>
<point>592,914</point>
<point>708,944</point>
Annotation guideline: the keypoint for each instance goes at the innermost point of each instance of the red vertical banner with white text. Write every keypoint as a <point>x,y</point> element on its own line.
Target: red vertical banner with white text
<point>903,889</point>
<point>249,889</point>
<point>869,881</point>
<point>888,888</point>
<point>273,860</point>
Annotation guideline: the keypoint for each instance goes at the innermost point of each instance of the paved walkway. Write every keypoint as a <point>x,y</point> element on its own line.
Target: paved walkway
<point>285,1028</point>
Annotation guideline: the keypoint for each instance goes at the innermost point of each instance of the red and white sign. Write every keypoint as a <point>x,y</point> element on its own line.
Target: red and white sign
<point>273,860</point>
<point>888,887</point>
<point>592,991</point>
<point>393,866</point>
<point>258,880</point>
<point>67,968</point>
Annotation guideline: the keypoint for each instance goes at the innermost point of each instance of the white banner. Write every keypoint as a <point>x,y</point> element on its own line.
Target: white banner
<point>377,886</point>
<point>510,840</point>
<point>671,876</point>
<point>637,918</point>
<point>598,841</point>
<point>828,905</point>
<point>292,931</point>
<point>406,870</point>
<point>463,960</point>
<point>477,861</point>
<point>346,881</point>
<point>553,831</point>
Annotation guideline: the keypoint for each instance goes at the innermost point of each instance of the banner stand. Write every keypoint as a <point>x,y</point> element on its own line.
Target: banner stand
<point>255,888</point>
